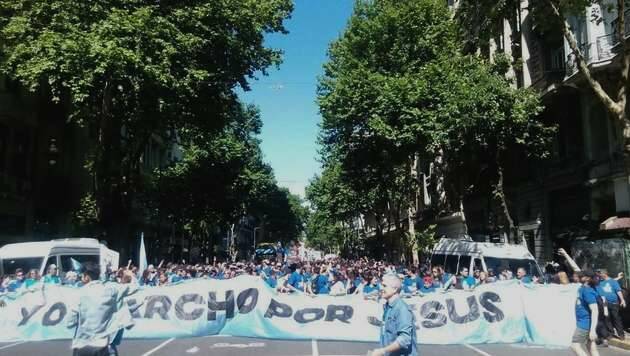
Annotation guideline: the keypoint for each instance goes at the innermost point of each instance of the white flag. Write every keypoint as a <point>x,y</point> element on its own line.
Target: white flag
<point>142,260</point>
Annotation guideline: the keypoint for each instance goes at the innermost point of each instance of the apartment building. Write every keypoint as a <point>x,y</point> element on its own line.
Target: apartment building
<point>583,190</point>
<point>41,165</point>
<point>42,168</point>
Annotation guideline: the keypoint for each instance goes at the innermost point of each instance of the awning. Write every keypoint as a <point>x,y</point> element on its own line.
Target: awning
<point>615,223</point>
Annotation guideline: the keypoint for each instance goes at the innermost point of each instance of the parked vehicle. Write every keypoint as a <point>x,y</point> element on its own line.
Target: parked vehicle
<point>265,251</point>
<point>64,253</point>
<point>454,254</point>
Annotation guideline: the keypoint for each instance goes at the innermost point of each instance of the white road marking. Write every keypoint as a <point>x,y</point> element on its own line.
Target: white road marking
<point>193,350</point>
<point>14,344</point>
<point>481,352</point>
<point>236,346</point>
<point>158,347</point>
<point>314,347</point>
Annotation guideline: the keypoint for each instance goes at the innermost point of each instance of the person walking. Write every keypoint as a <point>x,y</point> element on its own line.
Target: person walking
<point>99,315</point>
<point>398,332</point>
<point>586,316</point>
<point>610,290</point>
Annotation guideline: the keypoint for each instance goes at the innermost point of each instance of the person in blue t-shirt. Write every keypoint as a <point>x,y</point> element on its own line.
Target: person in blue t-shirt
<point>307,279</point>
<point>321,281</point>
<point>357,281</point>
<point>411,282</point>
<point>52,276</point>
<point>18,282</point>
<point>296,280</point>
<point>271,279</point>
<point>266,267</point>
<point>466,281</point>
<point>586,314</point>
<point>372,289</point>
<point>610,290</point>
<point>33,278</point>
<point>427,286</point>
<point>177,277</point>
<point>441,278</point>
<point>521,275</point>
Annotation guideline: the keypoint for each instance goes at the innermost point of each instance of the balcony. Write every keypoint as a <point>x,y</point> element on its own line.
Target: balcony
<point>604,48</point>
<point>613,24</point>
<point>571,65</point>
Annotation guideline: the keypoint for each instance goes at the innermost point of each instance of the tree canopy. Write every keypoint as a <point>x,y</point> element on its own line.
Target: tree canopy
<point>397,92</point>
<point>129,70</point>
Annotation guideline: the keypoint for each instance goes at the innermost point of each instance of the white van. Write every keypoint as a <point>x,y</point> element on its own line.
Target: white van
<point>455,254</point>
<point>61,252</point>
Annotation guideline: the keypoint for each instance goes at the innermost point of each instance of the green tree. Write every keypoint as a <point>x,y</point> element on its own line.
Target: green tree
<point>281,215</point>
<point>217,180</point>
<point>479,121</point>
<point>128,70</point>
<point>335,206</point>
<point>369,125</point>
<point>396,91</point>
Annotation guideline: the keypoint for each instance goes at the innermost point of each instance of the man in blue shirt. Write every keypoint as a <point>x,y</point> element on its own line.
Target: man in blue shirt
<point>427,286</point>
<point>411,282</point>
<point>371,288</point>
<point>610,290</point>
<point>95,331</point>
<point>522,276</point>
<point>52,277</point>
<point>266,268</point>
<point>441,279</point>
<point>18,282</point>
<point>271,279</point>
<point>296,280</point>
<point>467,282</point>
<point>398,332</point>
<point>586,314</point>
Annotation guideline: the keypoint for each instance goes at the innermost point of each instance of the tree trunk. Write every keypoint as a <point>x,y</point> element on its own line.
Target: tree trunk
<point>500,195</point>
<point>412,209</point>
<point>233,249</point>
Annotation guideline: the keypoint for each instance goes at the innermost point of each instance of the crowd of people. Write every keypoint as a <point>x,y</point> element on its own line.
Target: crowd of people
<point>337,277</point>
<point>331,277</point>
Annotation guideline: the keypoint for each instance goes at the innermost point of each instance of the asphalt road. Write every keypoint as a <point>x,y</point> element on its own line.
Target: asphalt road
<point>238,346</point>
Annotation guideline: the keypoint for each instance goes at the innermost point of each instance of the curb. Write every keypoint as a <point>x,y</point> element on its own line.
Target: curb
<point>622,344</point>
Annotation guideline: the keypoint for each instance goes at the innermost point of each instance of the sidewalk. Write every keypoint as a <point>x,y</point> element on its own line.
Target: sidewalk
<point>622,344</point>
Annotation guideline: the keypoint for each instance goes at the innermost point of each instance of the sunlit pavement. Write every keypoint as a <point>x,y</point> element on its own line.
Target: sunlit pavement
<point>236,346</point>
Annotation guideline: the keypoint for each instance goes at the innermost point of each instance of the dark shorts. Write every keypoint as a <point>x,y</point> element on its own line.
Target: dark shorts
<point>580,336</point>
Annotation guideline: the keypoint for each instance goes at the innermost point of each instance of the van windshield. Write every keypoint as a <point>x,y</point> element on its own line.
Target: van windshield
<point>498,264</point>
<point>9,265</point>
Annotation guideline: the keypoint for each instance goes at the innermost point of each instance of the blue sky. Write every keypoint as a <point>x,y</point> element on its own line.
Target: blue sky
<point>286,97</point>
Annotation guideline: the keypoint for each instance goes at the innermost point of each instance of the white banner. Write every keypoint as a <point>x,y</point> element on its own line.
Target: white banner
<point>504,312</point>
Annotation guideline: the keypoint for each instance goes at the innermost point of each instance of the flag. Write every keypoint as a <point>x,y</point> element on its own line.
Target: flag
<point>76,265</point>
<point>142,259</point>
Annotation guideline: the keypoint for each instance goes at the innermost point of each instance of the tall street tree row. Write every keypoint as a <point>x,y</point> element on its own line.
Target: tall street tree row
<point>398,94</point>
<point>132,70</point>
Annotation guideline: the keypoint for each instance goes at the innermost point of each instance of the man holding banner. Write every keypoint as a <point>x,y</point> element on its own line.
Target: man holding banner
<point>586,315</point>
<point>100,314</point>
<point>398,333</point>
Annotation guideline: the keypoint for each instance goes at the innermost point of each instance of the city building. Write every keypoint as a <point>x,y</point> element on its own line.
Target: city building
<point>42,168</point>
